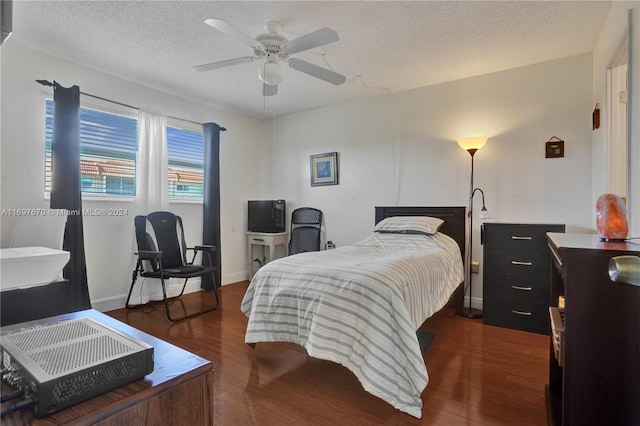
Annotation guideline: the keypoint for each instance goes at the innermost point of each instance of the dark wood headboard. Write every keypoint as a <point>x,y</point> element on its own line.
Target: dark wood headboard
<point>454,219</point>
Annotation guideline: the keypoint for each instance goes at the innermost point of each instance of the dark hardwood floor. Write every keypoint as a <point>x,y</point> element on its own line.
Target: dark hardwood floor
<point>479,375</point>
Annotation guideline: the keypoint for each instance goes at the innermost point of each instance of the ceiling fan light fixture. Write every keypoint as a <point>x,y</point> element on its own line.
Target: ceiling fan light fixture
<point>270,73</point>
<point>273,48</point>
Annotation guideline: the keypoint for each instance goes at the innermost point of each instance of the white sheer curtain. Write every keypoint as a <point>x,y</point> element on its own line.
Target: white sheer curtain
<point>152,182</point>
<point>152,186</point>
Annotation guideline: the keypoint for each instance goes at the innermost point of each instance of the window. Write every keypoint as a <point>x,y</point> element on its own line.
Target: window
<point>107,151</point>
<point>108,144</point>
<point>185,149</point>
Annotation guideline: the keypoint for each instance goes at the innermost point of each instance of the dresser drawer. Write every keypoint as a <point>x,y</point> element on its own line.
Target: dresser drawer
<point>519,288</point>
<point>516,314</point>
<point>517,275</point>
<point>517,236</point>
<point>518,261</point>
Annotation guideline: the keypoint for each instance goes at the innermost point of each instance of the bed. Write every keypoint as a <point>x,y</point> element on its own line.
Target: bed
<point>361,305</point>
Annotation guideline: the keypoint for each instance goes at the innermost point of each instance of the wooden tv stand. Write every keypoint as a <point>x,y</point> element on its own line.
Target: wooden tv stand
<point>599,383</point>
<point>178,391</point>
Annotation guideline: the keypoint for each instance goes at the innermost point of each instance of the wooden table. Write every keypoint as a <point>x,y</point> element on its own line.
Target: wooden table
<point>178,391</point>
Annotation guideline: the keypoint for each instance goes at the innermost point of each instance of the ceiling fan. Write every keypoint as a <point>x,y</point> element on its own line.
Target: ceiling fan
<point>273,47</point>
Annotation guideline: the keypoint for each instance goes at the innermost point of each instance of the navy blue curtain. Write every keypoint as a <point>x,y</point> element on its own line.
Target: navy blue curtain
<point>211,200</point>
<point>66,189</point>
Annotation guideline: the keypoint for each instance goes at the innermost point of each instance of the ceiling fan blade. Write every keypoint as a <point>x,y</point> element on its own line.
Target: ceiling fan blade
<point>232,31</point>
<point>316,71</point>
<point>268,90</point>
<point>222,64</point>
<point>309,41</point>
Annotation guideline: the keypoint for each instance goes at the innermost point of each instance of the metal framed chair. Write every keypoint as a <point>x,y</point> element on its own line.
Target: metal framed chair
<point>306,226</point>
<point>162,254</point>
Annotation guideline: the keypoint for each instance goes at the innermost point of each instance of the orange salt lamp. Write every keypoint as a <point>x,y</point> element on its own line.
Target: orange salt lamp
<point>611,217</point>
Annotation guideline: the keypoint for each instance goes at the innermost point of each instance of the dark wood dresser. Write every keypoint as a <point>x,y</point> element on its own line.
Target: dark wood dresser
<point>516,276</point>
<point>594,366</point>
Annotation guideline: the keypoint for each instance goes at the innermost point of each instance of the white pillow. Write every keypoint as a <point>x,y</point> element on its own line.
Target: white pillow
<point>424,225</point>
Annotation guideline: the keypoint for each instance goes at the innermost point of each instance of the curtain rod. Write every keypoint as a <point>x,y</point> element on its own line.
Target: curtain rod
<point>48,83</point>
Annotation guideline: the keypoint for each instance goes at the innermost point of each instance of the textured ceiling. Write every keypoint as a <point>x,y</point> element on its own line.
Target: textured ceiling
<point>384,46</point>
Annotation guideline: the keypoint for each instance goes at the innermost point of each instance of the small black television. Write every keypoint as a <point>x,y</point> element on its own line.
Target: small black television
<point>266,216</point>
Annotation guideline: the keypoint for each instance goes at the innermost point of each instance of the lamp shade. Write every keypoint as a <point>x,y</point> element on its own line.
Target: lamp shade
<point>474,142</point>
<point>270,73</point>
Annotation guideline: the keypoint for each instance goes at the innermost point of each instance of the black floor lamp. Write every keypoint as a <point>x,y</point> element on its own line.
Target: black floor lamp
<point>472,145</point>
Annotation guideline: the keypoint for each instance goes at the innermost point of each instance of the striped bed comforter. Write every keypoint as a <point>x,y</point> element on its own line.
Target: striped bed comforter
<point>359,306</point>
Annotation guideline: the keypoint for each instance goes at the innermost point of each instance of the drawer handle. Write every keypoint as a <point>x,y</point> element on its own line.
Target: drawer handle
<point>526,314</point>
<point>517,287</point>
<point>515,237</point>
<point>258,239</point>
<point>517,262</point>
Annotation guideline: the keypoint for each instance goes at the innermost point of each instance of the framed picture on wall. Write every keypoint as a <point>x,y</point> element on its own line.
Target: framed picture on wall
<point>324,169</point>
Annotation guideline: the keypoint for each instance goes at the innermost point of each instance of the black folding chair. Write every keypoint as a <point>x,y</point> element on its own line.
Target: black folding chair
<point>162,254</point>
<point>306,225</point>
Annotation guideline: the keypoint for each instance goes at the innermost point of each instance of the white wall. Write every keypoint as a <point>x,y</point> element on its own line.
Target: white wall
<point>412,136</point>
<point>394,149</point>
<point>612,33</point>
<point>108,239</point>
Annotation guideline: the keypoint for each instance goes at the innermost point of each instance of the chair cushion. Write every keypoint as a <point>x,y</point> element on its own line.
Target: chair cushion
<point>188,271</point>
<point>303,239</point>
<point>166,226</point>
<point>184,270</point>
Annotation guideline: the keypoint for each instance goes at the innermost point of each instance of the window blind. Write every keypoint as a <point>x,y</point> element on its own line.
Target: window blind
<point>185,150</point>
<point>108,145</point>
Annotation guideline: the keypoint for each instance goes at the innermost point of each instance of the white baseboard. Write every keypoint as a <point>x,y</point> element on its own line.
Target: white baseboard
<point>109,303</point>
<point>153,294</point>
<point>234,278</point>
<point>174,287</point>
<point>476,302</point>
